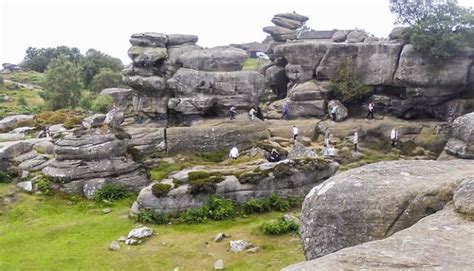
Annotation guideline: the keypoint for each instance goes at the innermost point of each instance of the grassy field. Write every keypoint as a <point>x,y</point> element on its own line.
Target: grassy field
<point>55,233</point>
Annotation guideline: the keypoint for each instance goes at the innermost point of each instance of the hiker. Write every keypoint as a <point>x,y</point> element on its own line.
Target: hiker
<point>394,136</point>
<point>232,113</point>
<point>44,133</point>
<point>371,111</point>
<point>326,137</point>
<point>234,153</point>
<point>295,133</point>
<point>252,113</point>
<point>274,156</point>
<point>333,112</point>
<point>259,113</point>
<point>355,140</point>
<point>286,111</point>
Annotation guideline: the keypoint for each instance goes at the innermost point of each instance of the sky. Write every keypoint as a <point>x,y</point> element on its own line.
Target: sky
<point>106,25</point>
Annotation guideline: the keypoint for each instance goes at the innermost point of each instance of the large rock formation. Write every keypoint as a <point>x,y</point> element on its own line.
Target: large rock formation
<point>461,142</point>
<point>375,201</point>
<point>285,27</point>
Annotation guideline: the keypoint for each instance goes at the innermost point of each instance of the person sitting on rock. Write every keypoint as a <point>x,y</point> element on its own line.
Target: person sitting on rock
<point>295,132</point>
<point>394,136</point>
<point>252,113</point>
<point>274,156</point>
<point>44,133</point>
<point>232,113</point>
<point>286,111</point>
<point>234,153</point>
<point>333,112</point>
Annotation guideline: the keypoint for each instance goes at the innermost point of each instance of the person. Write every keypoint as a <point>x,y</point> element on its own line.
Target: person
<point>44,133</point>
<point>232,112</point>
<point>274,156</point>
<point>371,111</point>
<point>234,153</point>
<point>326,137</point>
<point>333,112</point>
<point>355,140</point>
<point>295,133</point>
<point>252,113</point>
<point>394,136</point>
<point>259,113</point>
<point>286,110</point>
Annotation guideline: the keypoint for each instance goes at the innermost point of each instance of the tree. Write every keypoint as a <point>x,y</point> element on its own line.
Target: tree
<point>106,78</point>
<point>438,28</point>
<point>38,59</point>
<point>95,60</point>
<point>62,84</point>
<point>345,84</point>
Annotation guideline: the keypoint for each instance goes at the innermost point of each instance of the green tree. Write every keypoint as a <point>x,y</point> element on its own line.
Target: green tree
<point>345,84</point>
<point>62,84</point>
<point>106,78</point>
<point>37,59</point>
<point>438,28</point>
<point>94,61</point>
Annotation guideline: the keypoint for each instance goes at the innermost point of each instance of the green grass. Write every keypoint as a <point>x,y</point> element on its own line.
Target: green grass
<point>163,170</point>
<point>252,64</point>
<point>49,233</point>
<point>30,77</point>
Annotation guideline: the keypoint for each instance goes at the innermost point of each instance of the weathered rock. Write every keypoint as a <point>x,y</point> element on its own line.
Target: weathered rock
<point>339,36</point>
<point>90,147</point>
<point>12,149</point>
<point>440,241</point>
<point>44,147</point>
<point>147,55</point>
<point>11,137</point>
<point>341,111</point>
<point>147,140</point>
<point>310,90</point>
<point>239,245</point>
<point>352,207</point>
<point>293,16</point>
<point>11,122</point>
<point>114,246</point>
<point>181,39</point>
<point>221,59</point>
<point>416,70</point>
<point>22,130</point>
<point>151,83</point>
<point>118,94</point>
<point>298,109</point>
<point>397,33</point>
<point>95,120</point>
<point>92,186</point>
<point>356,36</point>
<point>461,143</point>
<point>140,233</point>
<point>286,23</point>
<point>300,151</point>
<point>277,30</point>
<point>275,78</point>
<point>463,199</point>
<point>219,265</point>
<point>26,186</point>
<point>149,39</point>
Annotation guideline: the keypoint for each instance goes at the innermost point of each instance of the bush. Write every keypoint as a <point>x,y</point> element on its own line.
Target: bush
<point>163,170</point>
<point>197,175</point>
<point>68,118</point>
<point>279,204</point>
<point>279,226</point>
<point>21,101</point>
<point>213,157</point>
<point>220,209</point>
<point>177,182</point>
<point>110,192</point>
<point>194,215</point>
<point>207,185</point>
<point>160,189</point>
<point>102,104</point>
<point>86,101</point>
<point>106,78</point>
<point>5,177</point>
<point>149,216</point>
<point>257,206</point>
<point>44,184</point>
<point>345,84</point>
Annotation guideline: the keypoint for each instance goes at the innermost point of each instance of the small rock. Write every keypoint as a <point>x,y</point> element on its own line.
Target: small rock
<point>291,218</point>
<point>131,242</point>
<point>219,265</point>
<point>239,245</point>
<point>114,246</point>
<point>106,211</point>
<point>306,141</point>
<point>219,237</point>
<point>253,250</point>
<point>122,239</point>
<point>24,174</point>
<point>26,186</point>
<point>140,233</point>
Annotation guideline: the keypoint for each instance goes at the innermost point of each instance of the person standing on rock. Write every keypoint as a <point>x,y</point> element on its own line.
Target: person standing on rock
<point>286,111</point>
<point>234,153</point>
<point>295,132</point>
<point>252,113</point>
<point>394,136</point>
<point>355,140</point>
<point>333,112</point>
<point>232,113</point>
<point>371,111</point>
<point>326,137</point>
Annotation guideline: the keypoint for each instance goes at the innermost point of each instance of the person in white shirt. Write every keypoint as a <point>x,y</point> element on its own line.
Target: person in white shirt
<point>355,140</point>
<point>295,132</point>
<point>326,137</point>
<point>394,136</point>
<point>234,153</point>
<point>252,113</point>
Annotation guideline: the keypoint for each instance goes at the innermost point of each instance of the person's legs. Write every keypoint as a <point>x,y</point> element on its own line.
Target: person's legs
<point>355,146</point>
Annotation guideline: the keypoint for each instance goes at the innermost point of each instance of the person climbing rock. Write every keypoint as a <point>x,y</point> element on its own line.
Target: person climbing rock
<point>355,140</point>
<point>232,112</point>
<point>394,136</point>
<point>274,156</point>
<point>252,113</point>
<point>295,132</point>
<point>333,112</point>
<point>234,153</point>
<point>286,110</point>
<point>371,110</point>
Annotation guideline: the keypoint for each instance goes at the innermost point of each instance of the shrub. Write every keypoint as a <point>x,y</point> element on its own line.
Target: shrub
<point>194,215</point>
<point>106,78</point>
<point>279,226</point>
<point>160,189</point>
<point>252,177</point>
<point>149,216</point>
<point>345,84</point>
<point>110,192</point>
<point>103,103</point>
<point>5,177</point>
<point>196,175</point>
<point>295,201</point>
<point>177,182</point>
<point>44,184</point>
<point>220,209</point>
<point>279,204</point>
<point>163,170</point>
<point>67,117</point>
<point>206,185</point>
<point>257,206</point>
<point>214,157</point>
<point>21,101</point>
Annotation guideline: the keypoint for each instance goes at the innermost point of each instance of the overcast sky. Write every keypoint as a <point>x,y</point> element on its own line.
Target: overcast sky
<point>106,25</point>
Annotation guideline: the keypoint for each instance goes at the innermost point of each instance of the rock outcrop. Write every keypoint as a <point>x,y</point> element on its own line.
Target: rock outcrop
<point>285,27</point>
<point>461,142</point>
<point>375,201</point>
<point>11,122</point>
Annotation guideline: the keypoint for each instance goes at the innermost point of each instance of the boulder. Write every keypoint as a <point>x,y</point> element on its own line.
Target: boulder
<point>92,186</point>
<point>397,33</point>
<point>239,245</point>
<point>181,39</point>
<point>118,94</point>
<point>275,78</point>
<point>22,130</point>
<point>341,111</point>
<point>44,147</point>
<point>293,16</point>
<point>300,151</point>
<point>11,137</point>
<point>89,147</point>
<point>12,149</point>
<point>310,90</point>
<point>149,39</point>
<point>140,233</point>
<point>277,30</point>
<point>339,36</point>
<point>147,140</point>
<point>114,118</point>
<point>150,83</point>
<point>93,121</point>
<point>375,201</point>
<point>25,186</point>
<point>286,23</point>
<point>147,55</point>
<point>221,59</point>
<point>284,37</point>
<point>219,265</point>
<point>440,241</point>
<point>11,122</point>
<point>114,246</point>
<point>461,143</point>
<point>356,36</point>
<point>417,70</point>
<point>463,199</point>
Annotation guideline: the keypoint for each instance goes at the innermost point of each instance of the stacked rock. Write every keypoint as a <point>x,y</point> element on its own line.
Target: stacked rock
<point>285,27</point>
<point>154,58</point>
<point>84,164</point>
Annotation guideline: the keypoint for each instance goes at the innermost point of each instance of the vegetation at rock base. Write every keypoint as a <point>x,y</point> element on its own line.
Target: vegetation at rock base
<point>103,103</point>
<point>66,117</point>
<point>110,192</point>
<point>279,226</point>
<point>5,177</point>
<point>44,184</point>
<point>163,170</point>
<point>438,29</point>
<point>149,216</point>
<point>204,184</point>
<point>345,84</point>
<point>160,189</point>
